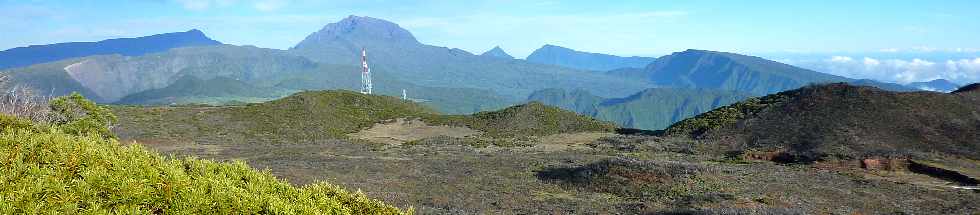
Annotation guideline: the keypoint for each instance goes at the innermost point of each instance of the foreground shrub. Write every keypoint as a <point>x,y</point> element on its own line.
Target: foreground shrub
<point>50,171</point>
<point>77,115</point>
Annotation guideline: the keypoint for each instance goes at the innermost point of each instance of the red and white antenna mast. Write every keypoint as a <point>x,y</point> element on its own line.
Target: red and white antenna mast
<point>366,85</point>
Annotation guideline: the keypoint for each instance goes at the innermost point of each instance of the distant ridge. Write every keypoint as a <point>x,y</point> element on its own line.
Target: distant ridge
<point>650,109</point>
<point>35,54</point>
<point>727,71</point>
<point>938,85</point>
<point>566,57</point>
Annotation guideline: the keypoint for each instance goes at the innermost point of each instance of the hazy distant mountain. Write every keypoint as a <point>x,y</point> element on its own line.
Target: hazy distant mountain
<point>393,49</point>
<point>726,71</point>
<point>565,57</point>
<point>938,85</point>
<point>113,77</point>
<point>47,79</point>
<point>497,52</point>
<point>651,109</point>
<point>24,56</point>
<point>215,74</point>
<point>883,85</point>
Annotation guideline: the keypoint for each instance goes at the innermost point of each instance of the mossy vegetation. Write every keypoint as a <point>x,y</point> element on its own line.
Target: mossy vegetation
<point>72,167</point>
<point>677,183</point>
<point>319,115</point>
<point>841,121</point>
<point>330,113</point>
<point>531,119</point>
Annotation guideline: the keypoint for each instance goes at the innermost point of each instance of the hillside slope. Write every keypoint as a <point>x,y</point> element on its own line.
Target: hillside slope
<point>847,122</point>
<point>651,109</point>
<point>531,119</point>
<point>45,79</point>
<point>324,115</point>
<point>191,89</point>
<point>24,56</point>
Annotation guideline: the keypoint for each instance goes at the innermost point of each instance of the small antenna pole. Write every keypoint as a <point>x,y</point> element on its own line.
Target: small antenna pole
<point>366,85</point>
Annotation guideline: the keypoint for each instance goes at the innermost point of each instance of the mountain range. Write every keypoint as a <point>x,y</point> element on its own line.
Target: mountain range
<point>24,56</point>
<point>566,57</point>
<point>188,67</point>
<point>395,50</point>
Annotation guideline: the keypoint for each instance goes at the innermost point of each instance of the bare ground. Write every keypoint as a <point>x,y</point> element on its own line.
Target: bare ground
<point>457,179</point>
<point>401,130</point>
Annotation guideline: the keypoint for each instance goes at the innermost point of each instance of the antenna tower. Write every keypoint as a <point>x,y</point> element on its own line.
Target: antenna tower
<point>366,85</point>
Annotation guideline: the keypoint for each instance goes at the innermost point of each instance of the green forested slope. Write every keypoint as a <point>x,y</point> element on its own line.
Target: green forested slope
<point>651,109</point>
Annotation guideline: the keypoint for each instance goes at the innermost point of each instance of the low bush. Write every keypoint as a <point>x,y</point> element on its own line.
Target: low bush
<point>72,167</point>
<point>76,115</point>
<point>677,183</point>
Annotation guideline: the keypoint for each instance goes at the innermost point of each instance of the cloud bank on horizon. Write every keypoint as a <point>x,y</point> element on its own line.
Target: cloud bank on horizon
<point>903,71</point>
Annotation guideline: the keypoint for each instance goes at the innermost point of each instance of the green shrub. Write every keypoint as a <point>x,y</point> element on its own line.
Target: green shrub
<point>76,115</point>
<point>50,171</point>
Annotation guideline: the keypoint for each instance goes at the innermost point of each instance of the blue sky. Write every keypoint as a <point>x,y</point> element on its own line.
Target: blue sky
<point>648,27</point>
<point>789,31</point>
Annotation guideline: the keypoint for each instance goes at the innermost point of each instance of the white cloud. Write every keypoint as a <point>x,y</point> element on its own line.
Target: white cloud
<point>928,49</point>
<point>871,62</point>
<point>841,59</point>
<point>897,70</point>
